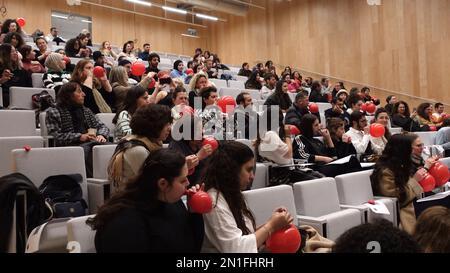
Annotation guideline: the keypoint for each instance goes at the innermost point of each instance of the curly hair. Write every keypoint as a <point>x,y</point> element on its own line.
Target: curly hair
<point>389,238</point>
<point>8,38</point>
<point>432,230</point>
<point>142,194</point>
<point>5,26</point>
<point>222,174</point>
<point>130,103</point>
<point>150,120</point>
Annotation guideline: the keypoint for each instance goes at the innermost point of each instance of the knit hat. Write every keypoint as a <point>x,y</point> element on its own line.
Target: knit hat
<point>340,92</point>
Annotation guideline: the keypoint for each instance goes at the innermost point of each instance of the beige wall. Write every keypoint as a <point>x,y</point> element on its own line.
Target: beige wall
<point>402,45</point>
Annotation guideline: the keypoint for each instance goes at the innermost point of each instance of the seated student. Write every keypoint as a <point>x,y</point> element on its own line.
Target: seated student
<point>298,109</point>
<point>189,143</point>
<point>365,92</point>
<point>150,125</point>
<point>381,117</point>
<point>309,149</point>
<point>198,82</point>
<point>42,52</point>
<point>16,40</point>
<point>149,215</point>
<point>442,137</point>
<point>424,112</point>
<point>118,79</point>
<point>11,72</point>
<point>269,86</point>
<point>177,71</point>
<point>230,226</point>
<point>245,70</point>
<point>432,229</point>
<point>280,97</point>
<point>416,156</point>
<point>56,75</point>
<point>92,86</point>
<point>343,95</point>
<point>391,101</point>
<point>316,93</point>
<point>136,98</point>
<point>254,81</point>
<point>391,177</point>
<point>336,110</point>
<point>361,139</point>
<point>244,117</point>
<point>439,109</point>
<point>179,97</point>
<point>342,143</point>
<point>153,61</point>
<point>378,237</point>
<point>401,117</point>
<point>212,117</point>
<point>73,124</point>
<point>28,62</point>
<point>355,103</point>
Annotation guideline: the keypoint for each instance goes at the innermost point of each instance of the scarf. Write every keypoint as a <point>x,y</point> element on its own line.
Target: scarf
<point>78,119</point>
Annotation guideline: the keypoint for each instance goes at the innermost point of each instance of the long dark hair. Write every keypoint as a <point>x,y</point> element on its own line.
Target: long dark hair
<point>397,105</point>
<point>5,58</point>
<point>10,36</point>
<point>65,93</point>
<point>130,104</point>
<point>5,26</point>
<point>421,110</point>
<point>222,174</point>
<point>306,125</point>
<point>387,133</point>
<point>252,81</point>
<point>142,194</point>
<point>397,158</point>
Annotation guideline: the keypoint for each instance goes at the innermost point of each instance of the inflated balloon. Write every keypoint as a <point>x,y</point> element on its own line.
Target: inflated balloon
<point>27,148</point>
<point>433,128</point>
<point>428,183</point>
<point>66,59</point>
<point>286,240</point>
<point>226,104</point>
<point>364,107</point>
<point>200,202</point>
<point>436,118</point>
<point>99,71</point>
<point>377,130</point>
<point>138,69</point>
<point>371,108</point>
<point>211,141</point>
<point>152,84</point>
<point>294,130</point>
<point>186,110</point>
<point>440,173</point>
<point>21,22</point>
<point>189,71</point>
<point>313,108</point>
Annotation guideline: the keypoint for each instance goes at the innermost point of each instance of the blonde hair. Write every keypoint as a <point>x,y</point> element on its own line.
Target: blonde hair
<point>52,62</point>
<point>195,79</point>
<point>119,74</point>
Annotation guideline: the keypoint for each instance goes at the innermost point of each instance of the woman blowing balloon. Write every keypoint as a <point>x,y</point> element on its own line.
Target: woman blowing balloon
<point>230,226</point>
<point>149,215</point>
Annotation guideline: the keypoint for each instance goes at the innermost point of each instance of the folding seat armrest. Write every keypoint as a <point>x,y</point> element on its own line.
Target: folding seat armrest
<point>363,209</point>
<point>98,192</point>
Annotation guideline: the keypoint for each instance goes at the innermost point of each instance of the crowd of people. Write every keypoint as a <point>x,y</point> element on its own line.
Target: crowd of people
<point>146,212</point>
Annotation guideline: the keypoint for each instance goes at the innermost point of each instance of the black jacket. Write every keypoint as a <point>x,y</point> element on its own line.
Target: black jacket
<point>295,114</point>
<point>283,100</point>
<point>37,212</point>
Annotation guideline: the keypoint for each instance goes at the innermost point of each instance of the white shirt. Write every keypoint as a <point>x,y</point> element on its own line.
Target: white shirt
<point>360,141</point>
<point>221,232</point>
<point>274,149</point>
<point>266,92</point>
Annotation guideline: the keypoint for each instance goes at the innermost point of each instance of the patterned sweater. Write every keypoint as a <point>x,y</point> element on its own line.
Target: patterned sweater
<point>60,126</point>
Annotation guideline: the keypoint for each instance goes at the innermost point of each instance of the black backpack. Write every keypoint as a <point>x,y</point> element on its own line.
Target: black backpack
<point>64,194</point>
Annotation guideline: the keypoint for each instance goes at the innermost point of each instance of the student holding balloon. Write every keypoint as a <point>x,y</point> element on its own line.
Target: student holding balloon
<point>230,226</point>
<point>377,136</point>
<point>392,177</point>
<point>149,215</point>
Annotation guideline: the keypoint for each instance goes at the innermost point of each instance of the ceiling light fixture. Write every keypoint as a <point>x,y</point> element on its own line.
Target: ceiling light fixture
<point>166,8</point>
<point>140,2</point>
<point>212,18</point>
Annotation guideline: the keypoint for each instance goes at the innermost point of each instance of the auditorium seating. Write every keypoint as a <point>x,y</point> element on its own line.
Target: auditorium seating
<point>20,97</point>
<point>80,236</point>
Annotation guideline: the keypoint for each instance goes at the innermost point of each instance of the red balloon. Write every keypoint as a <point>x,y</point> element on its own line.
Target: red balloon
<point>211,141</point>
<point>189,71</point>
<point>286,240</point>
<point>226,104</point>
<point>364,107</point>
<point>200,202</point>
<point>138,69</point>
<point>433,128</point>
<point>186,110</point>
<point>440,173</point>
<point>428,183</point>
<point>294,130</point>
<point>27,148</point>
<point>377,130</point>
<point>66,59</point>
<point>152,84</point>
<point>21,22</point>
<point>99,71</point>
<point>313,108</point>
<point>371,108</point>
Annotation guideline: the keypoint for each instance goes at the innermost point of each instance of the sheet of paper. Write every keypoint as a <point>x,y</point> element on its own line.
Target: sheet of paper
<point>378,208</point>
<point>437,196</point>
<point>341,161</point>
<point>367,164</point>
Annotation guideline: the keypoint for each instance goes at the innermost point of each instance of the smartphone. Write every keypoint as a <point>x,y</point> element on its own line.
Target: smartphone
<point>165,81</point>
